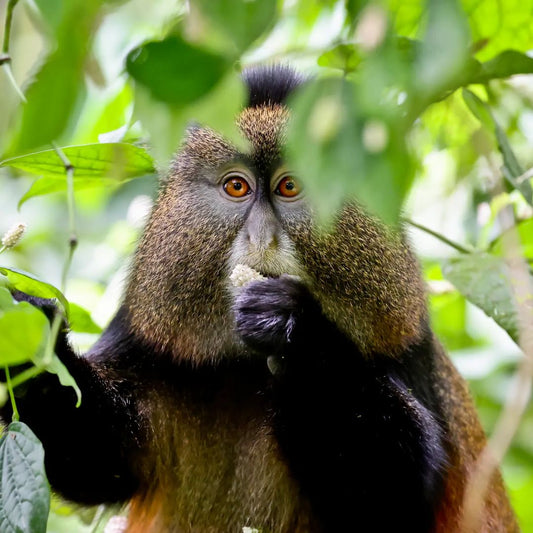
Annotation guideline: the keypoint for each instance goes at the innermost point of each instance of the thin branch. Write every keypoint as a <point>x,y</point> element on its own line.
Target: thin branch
<point>440,237</point>
<point>73,238</point>
<point>5,58</point>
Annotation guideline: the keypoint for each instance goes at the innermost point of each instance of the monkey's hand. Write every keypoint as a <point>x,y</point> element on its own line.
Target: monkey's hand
<point>269,313</point>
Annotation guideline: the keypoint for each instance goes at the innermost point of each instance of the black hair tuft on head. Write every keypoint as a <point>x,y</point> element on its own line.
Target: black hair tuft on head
<point>270,84</point>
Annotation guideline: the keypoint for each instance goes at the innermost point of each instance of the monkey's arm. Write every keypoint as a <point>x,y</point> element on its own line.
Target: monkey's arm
<point>87,449</point>
<point>362,443</point>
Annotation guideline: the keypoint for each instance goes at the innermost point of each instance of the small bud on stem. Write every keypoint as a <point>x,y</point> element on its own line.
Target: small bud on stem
<point>13,235</point>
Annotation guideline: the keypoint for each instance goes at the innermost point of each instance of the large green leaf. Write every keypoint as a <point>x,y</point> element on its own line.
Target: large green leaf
<point>22,331</point>
<point>58,85</point>
<point>352,155</point>
<point>99,160</point>
<point>175,71</point>
<point>439,66</point>
<point>240,21</point>
<point>484,280</point>
<point>29,284</point>
<point>24,490</point>
<point>95,165</point>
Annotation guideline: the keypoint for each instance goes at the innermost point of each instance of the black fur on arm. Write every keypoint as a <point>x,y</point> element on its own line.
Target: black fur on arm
<point>87,449</point>
<point>363,439</point>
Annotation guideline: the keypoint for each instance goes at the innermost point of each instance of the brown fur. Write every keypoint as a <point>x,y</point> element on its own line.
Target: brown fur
<point>467,440</point>
<point>201,454</point>
<point>227,454</point>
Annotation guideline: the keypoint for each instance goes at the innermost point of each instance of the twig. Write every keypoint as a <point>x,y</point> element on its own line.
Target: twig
<point>440,237</point>
<point>5,58</point>
<point>73,238</point>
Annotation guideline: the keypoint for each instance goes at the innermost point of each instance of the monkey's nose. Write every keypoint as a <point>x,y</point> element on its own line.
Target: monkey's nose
<point>262,229</point>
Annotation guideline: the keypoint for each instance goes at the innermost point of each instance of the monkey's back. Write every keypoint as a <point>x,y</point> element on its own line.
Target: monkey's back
<point>466,440</point>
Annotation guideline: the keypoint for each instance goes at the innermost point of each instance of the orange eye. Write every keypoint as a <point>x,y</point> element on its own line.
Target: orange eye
<point>236,187</point>
<point>288,187</point>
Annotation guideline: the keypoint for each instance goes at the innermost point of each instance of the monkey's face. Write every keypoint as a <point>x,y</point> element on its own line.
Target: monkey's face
<point>221,207</point>
<point>248,198</point>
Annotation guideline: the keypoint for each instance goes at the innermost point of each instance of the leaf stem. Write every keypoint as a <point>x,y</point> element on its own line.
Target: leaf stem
<point>7,27</point>
<point>442,238</point>
<point>52,338</point>
<point>73,239</point>
<point>15,417</point>
<point>28,374</point>
<point>5,58</point>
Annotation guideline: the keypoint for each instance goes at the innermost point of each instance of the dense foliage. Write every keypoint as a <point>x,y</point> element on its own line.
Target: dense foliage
<point>423,111</point>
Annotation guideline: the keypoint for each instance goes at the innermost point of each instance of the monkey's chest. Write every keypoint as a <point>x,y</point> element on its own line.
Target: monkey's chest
<point>217,462</point>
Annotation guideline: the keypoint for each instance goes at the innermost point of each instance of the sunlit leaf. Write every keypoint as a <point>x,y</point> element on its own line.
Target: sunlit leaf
<point>22,330</point>
<point>175,71</point>
<point>99,160</point>
<point>345,57</point>
<point>80,320</point>
<point>484,280</point>
<point>29,284</point>
<point>6,300</point>
<point>24,491</point>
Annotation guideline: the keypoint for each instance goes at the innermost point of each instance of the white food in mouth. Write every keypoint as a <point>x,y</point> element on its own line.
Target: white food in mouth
<point>243,274</point>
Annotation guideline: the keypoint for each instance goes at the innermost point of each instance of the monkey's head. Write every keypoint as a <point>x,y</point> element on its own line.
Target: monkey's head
<point>221,207</point>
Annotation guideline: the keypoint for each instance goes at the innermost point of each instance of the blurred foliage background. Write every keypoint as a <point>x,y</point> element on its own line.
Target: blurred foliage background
<point>386,115</point>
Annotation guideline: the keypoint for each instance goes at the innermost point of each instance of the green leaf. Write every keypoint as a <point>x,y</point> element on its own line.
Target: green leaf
<point>23,329</point>
<point>58,86</point>
<point>58,368</point>
<point>352,156</point>
<point>495,25</point>
<point>525,234</point>
<point>174,71</point>
<point>484,280</point>
<point>43,186</point>
<point>504,65</point>
<point>6,300</point>
<point>100,160</point>
<point>240,21</point>
<point>478,108</point>
<point>25,492</point>
<point>439,66</point>
<point>511,167</point>
<point>29,284</point>
<point>80,320</point>
<point>345,57</point>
